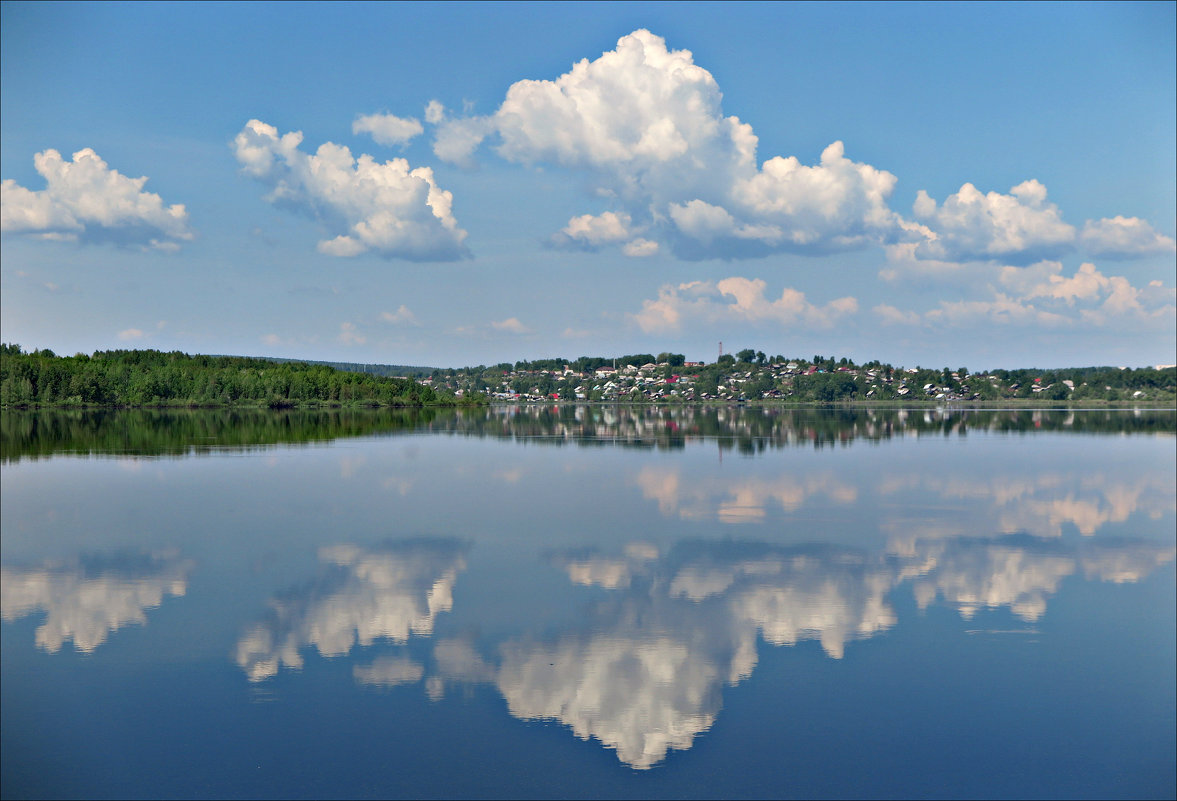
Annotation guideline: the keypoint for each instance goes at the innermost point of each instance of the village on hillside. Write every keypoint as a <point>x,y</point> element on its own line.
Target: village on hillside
<point>751,376</point>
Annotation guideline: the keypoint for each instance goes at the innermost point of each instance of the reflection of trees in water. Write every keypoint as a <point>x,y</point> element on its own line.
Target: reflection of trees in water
<point>644,673</point>
<point>90,598</point>
<point>177,432</point>
<point>747,430</point>
<point>361,595</point>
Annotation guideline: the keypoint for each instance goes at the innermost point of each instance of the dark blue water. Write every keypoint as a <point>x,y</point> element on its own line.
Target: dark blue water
<point>592,603</point>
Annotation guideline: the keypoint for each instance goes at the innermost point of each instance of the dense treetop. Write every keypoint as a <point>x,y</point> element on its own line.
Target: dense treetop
<point>154,378</point>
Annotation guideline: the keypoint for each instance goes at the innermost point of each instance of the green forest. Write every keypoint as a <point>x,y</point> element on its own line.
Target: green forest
<point>151,378</point>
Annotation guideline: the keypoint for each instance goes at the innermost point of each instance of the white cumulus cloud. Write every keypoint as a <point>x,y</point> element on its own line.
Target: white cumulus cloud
<point>402,316</point>
<point>890,315</point>
<point>640,248</point>
<point>388,129</point>
<point>84,200</point>
<point>1018,228</point>
<point>510,326</point>
<point>350,335</point>
<point>590,232</point>
<point>647,124</point>
<point>389,209</point>
<point>735,299</point>
<point>1123,238</point>
<point>1097,296</point>
<point>1042,295</point>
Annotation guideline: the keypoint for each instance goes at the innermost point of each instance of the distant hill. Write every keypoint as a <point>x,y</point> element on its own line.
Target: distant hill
<point>385,370</point>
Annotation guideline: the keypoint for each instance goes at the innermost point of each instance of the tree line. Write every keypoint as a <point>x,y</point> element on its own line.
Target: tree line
<point>139,378</point>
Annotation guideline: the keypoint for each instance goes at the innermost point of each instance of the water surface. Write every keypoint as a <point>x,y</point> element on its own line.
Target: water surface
<point>589,602</point>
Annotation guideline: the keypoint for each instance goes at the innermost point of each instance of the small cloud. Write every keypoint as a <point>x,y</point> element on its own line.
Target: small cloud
<point>130,333</point>
<point>402,316</point>
<point>350,335</point>
<point>640,248</point>
<point>590,232</point>
<point>388,129</point>
<point>272,339</point>
<point>889,315</point>
<point>434,112</point>
<point>455,140</point>
<point>511,326</point>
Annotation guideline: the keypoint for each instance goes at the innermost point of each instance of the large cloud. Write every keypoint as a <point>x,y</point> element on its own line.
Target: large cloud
<point>647,124</point>
<point>388,208</point>
<point>85,200</point>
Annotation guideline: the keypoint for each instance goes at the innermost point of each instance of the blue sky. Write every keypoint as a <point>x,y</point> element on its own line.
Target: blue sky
<point>444,184</point>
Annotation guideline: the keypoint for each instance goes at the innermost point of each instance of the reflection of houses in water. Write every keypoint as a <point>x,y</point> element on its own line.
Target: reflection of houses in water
<point>362,595</point>
<point>88,599</point>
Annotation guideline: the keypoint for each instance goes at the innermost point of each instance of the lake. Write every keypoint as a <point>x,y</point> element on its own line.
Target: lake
<point>582,601</point>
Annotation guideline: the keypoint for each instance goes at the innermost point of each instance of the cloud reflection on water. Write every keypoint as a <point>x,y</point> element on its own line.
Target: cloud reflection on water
<point>1009,503</point>
<point>736,501</point>
<point>644,672</point>
<point>91,598</point>
<point>361,595</point>
<point>1021,572</point>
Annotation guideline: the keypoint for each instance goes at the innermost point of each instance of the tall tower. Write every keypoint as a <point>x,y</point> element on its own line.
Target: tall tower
<point>721,348</point>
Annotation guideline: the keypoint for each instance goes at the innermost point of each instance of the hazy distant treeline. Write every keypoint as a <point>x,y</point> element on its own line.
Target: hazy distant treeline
<point>154,378</point>
<point>389,370</point>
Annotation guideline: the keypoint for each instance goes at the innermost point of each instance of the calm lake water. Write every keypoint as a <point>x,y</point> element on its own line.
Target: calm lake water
<point>589,602</point>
